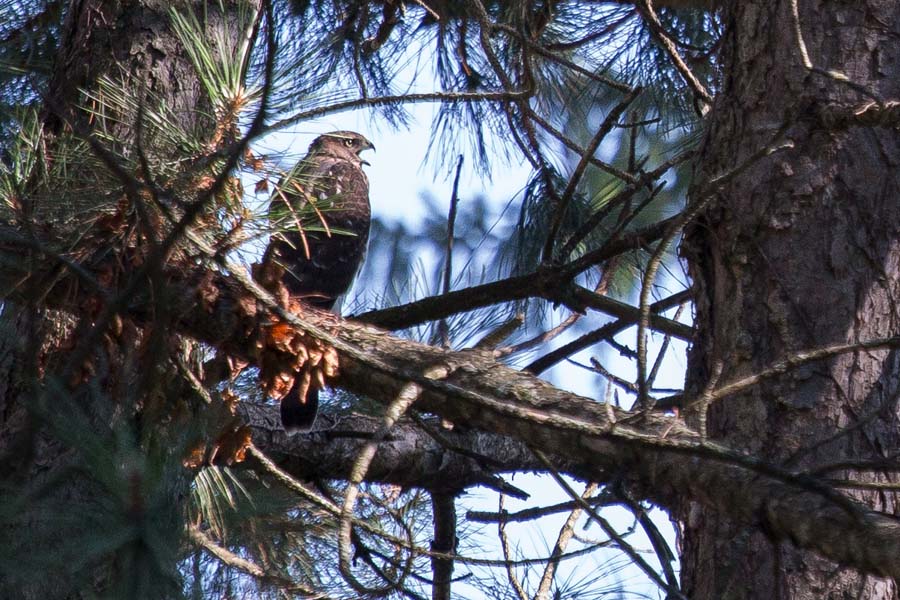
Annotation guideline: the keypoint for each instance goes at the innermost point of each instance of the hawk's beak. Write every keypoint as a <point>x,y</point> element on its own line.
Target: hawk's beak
<point>371,147</point>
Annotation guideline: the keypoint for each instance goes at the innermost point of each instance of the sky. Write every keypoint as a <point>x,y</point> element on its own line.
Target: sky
<point>397,173</point>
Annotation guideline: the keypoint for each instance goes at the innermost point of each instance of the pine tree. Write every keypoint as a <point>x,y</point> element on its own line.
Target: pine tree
<point>139,457</point>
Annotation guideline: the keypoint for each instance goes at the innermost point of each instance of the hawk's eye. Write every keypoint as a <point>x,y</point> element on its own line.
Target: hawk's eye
<point>349,143</point>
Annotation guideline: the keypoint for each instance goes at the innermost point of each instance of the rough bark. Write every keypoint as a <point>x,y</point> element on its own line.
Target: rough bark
<point>47,422</point>
<point>129,41</point>
<point>799,251</point>
<point>439,460</point>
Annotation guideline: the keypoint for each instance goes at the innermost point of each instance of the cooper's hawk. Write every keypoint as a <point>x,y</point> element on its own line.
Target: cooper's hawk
<point>320,257</point>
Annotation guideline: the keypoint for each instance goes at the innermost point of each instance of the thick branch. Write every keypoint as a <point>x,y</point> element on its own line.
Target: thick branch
<point>410,457</point>
<point>657,456</point>
<point>553,283</point>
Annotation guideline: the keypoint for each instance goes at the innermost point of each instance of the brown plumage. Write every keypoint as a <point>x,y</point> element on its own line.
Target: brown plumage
<point>320,263</point>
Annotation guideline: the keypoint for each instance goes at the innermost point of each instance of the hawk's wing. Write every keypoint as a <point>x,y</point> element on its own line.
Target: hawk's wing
<point>335,241</point>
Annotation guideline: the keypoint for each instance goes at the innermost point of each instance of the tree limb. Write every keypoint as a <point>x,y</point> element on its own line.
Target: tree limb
<point>656,456</point>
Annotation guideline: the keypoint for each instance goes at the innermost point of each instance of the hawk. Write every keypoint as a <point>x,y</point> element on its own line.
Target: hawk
<point>320,258</point>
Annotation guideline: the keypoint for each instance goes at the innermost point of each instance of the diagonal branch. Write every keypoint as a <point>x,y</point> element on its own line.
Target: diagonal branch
<point>566,533</point>
<point>659,458</point>
<point>649,13</point>
<point>562,205</point>
<point>550,283</point>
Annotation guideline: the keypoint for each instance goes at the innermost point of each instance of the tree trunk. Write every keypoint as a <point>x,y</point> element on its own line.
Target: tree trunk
<point>798,252</point>
<point>91,516</point>
<point>131,41</point>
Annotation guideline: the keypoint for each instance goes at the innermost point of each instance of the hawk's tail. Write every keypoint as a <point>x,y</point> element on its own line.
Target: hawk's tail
<point>299,414</point>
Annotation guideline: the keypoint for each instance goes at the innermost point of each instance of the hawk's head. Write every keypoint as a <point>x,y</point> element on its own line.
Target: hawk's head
<point>341,144</point>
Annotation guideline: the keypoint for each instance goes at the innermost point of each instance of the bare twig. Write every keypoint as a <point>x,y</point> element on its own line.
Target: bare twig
<point>531,514</point>
<point>664,347</point>
<point>337,107</point>
<point>547,53</point>
<point>394,411</point>
<point>871,114</point>
<point>333,509</point>
<point>247,566</point>
<point>562,541</point>
<point>562,205</point>
<point>603,333</point>
<point>799,359</point>
<point>443,328</point>
<point>610,531</point>
<point>550,283</point>
<point>709,192</point>
<point>530,146</point>
<point>597,218</point>
<point>702,403</point>
<point>659,32</point>
<point>829,73</point>
<point>574,316</point>
<point>504,545</point>
<point>664,553</point>
<point>541,338</point>
<point>499,334</point>
<point>574,147</point>
<point>644,320</point>
<point>623,383</point>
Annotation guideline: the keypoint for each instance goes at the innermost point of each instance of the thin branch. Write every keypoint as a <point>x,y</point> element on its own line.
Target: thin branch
<point>574,317</point>
<point>597,218</point>
<point>664,553</point>
<point>574,147</point>
<point>326,504</point>
<point>887,464</point>
<point>394,411</point>
<point>504,545</point>
<point>596,35</point>
<point>664,347</point>
<point>871,114</point>
<point>700,204</point>
<point>443,328</point>
<point>623,383</point>
<point>609,530</point>
<point>644,319</point>
<point>829,73</point>
<point>547,53</point>
<point>565,535</point>
<point>882,486</point>
<point>562,205</point>
<point>498,335</point>
<point>541,338</point>
<point>603,333</point>
<point>234,561</point>
<point>346,105</point>
<point>531,149</point>
<point>545,282</point>
<point>799,359</point>
<point>532,514</point>
<point>550,283</point>
<point>659,32</point>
